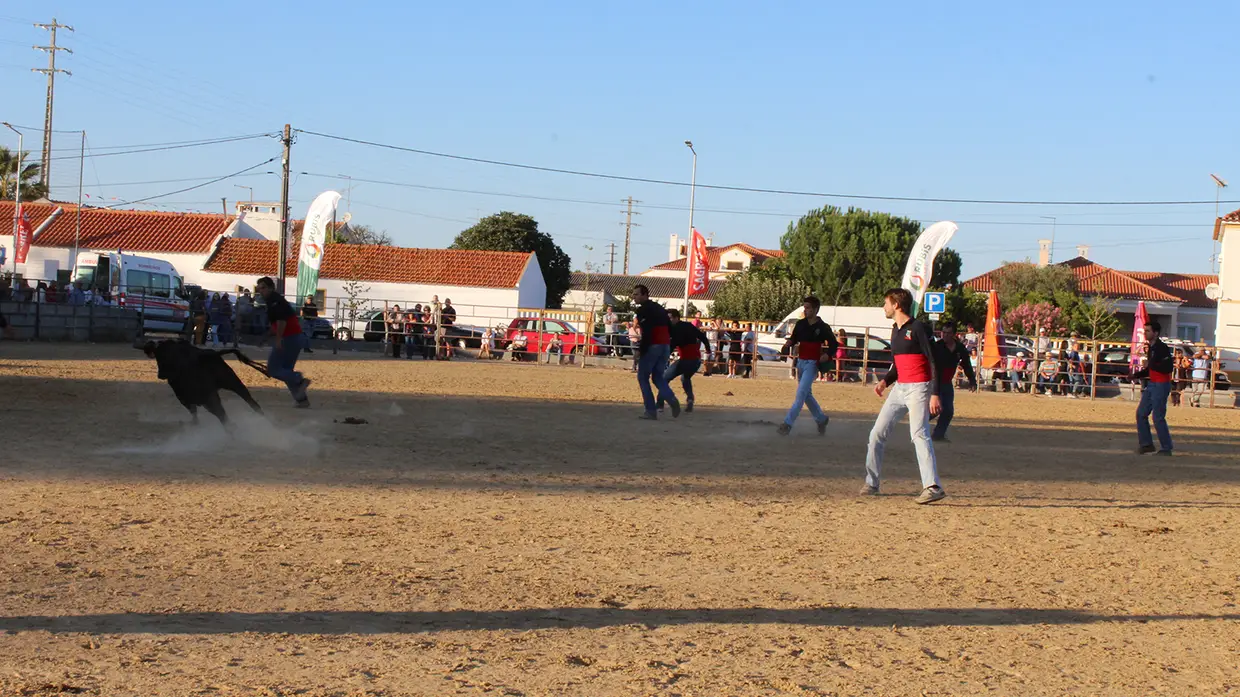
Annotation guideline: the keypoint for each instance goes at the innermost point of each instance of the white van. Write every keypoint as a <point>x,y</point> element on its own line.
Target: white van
<point>151,286</point>
<point>851,319</point>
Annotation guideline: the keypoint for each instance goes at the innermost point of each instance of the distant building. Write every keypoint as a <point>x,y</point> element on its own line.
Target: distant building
<point>721,261</point>
<point>1227,234</point>
<point>1176,300</point>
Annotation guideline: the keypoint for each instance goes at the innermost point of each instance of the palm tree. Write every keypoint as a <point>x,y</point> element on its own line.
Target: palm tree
<point>31,188</point>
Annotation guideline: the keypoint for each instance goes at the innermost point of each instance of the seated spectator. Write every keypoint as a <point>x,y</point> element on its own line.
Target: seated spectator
<point>519,348</point>
<point>556,348</point>
<point>488,344</point>
<point>1016,371</point>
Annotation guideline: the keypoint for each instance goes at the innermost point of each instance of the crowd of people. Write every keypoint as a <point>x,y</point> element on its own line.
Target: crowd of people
<point>423,330</point>
<point>76,294</point>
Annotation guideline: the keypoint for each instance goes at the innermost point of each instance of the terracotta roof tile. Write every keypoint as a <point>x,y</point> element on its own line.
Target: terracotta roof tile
<point>660,286</point>
<point>1232,217</point>
<point>1189,287</point>
<point>713,255</point>
<point>130,231</point>
<point>448,267</point>
<point>1095,279</point>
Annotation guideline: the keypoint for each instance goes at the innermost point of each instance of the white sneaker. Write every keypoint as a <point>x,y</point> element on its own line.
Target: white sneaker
<point>931,494</point>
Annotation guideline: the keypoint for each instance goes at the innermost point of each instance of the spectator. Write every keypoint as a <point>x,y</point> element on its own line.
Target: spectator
<point>105,296</point>
<point>1181,376</point>
<point>556,348</point>
<point>635,340</point>
<point>198,317</point>
<point>245,312</point>
<point>408,326</point>
<point>1016,371</point>
<point>1043,344</point>
<point>712,336</point>
<point>1076,371</point>
<point>734,349</point>
<point>519,347</point>
<point>448,314</point>
<point>488,344</point>
<point>223,319</point>
<point>1201,376</point>
<point>970,338</point>
<point>611,327</point>
<point>436,312</point>
<point>40,293</point>
<point>747,349</point>
<point>1048,372</point>
<point>393,320</point>
<point>53,293</point>
<point>77,296</point>
<point>841,355</point>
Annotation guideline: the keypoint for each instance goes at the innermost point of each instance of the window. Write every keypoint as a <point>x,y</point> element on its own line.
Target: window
<point>1188,332</point>
<point>735,266</point>
<point>155,284</point>
<point>553,327</point>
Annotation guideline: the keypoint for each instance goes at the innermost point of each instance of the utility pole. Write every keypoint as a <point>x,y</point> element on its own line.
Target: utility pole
<point>628,225</point>
<point>285,221</point>
<point>45,172</point>
<point>611,258</point>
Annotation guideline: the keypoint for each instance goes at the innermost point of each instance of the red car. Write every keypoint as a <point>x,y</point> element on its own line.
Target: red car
<point>538,338</point>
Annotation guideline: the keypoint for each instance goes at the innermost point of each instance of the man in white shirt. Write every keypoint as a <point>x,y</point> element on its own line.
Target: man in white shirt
<point>611,326</point>
<point>1201,376</point>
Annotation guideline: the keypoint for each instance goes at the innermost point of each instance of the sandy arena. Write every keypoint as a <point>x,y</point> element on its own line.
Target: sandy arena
<point>514,530</point>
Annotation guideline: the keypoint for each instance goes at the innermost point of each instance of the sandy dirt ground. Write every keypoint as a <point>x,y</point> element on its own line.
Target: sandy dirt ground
<point>514,530</point>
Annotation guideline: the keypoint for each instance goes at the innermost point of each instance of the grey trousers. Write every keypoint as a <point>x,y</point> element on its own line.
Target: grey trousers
<point>913,399</point>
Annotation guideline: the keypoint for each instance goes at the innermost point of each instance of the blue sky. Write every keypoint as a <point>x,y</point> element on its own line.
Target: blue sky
<point>1063,101</point>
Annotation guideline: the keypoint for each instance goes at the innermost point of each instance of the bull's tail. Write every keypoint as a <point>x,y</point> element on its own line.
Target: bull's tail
<point>260,367</point>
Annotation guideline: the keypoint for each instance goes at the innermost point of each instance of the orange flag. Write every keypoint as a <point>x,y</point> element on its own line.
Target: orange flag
<point>992,350</point>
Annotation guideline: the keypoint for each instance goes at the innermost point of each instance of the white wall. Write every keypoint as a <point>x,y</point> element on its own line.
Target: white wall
<point>532,288</point>
<point>1227,332</point>
<point>42,262</point>
<point>480,306</point>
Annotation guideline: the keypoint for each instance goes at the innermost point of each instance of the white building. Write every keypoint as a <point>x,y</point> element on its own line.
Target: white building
<point>226,253</point>
<point>721,262</point>
<point>1227,326</point>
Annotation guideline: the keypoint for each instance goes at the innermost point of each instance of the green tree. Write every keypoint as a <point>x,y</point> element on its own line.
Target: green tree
<point>31,188</point>
<point>359,234</point>
<point>851,257</point>
<point>1025,282</point>
<point>964,307</point>
<point>761,294</point>
<point>514,232</point>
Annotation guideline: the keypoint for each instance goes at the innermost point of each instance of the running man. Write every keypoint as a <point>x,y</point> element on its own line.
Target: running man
<point>810,334</point>
<point>916,393</point>
<point>1154,396</point>
<point>653,350</point>
<point>687,339</point>
<point>949,353</point>
<point>288,344</point>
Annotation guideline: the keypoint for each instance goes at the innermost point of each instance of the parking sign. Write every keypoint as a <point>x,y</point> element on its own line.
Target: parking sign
<point>934,302</point>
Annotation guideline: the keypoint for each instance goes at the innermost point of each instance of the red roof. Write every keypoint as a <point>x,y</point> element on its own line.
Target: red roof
<point>444,267</point>
<point>130,231</point>
<point>1232,217</point>
<point>713,255</point>
<point>1095,279</point>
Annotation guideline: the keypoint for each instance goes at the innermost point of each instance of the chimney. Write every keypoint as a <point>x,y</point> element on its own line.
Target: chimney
<point>1044,253</point>
<point>1082,250</point>
<point>673,251</point>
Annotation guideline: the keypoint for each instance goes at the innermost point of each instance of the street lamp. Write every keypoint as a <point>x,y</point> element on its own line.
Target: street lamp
<point>17,195</point>
<point>689,247</point>
<point>1050,258</point>
<point>251,191</point>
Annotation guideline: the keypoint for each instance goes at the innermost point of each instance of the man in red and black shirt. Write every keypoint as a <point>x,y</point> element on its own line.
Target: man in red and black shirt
<point>916,393</point>
<point>687,340</point>
<point>812,337</point>
<point>654,349</point>
<point>1158,369</point>
<point>949,353</point>
<point>288,344</point>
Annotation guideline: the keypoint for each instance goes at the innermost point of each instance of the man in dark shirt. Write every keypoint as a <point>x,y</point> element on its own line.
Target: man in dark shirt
<point>916,393</point>
<point>287,344</point>
<point>948,354</point>
<point>1154,395</point>
<point>811,336</point>
<point>687,339</point>
<point>654,349</point>
<point>448,314</point>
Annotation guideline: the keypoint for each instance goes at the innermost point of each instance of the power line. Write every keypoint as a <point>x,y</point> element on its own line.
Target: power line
<point>196,186</point>
<point>174,181</point>
<point>269,134</point>
<point>756,190</point>
<point>217,141</point>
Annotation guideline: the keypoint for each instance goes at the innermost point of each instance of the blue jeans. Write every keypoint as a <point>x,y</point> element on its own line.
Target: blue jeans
<point>685,369</point>
<point>1154,401</point>
<point>947,397</point>
<point>807,372</point>
<point>652,365</point>
<point>912,398</point>
<point>281,360</point>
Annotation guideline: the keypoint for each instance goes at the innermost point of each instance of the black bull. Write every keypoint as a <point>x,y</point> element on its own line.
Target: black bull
<point>197,375</point>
